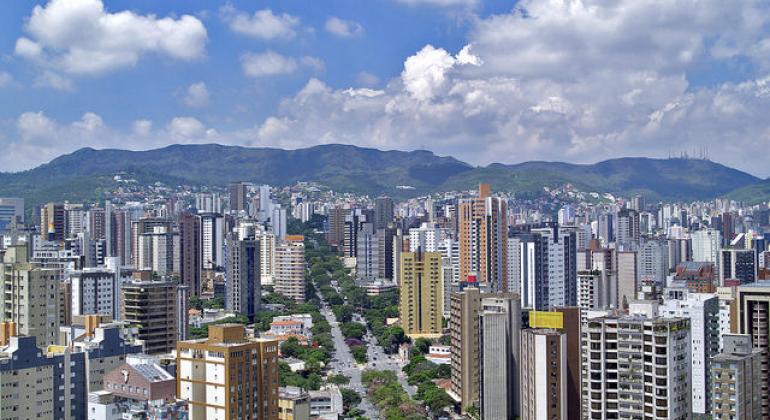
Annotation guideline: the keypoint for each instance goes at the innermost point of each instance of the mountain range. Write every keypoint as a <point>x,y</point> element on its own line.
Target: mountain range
<point>84,174</point>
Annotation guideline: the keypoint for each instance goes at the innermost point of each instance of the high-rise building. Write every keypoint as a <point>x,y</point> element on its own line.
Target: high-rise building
<point>39,384</point>
<point>152,307</point>
<point>738,264</point>
<point>606,226</point>
<point>702,309</point>
<point>499,349</point>
<point>627,227</point>
<point>543,374</point>
<point>728,227</point>
<point>483,237</point>
<point>635,367</point>
<point>335,233</point>
<point>627,265</point>
<point>383,212</point>
<point>422,293</point>
<point>228,376</point>
<point>53,222</point>
<point>753,309</point>
<point>141,251</point>
<point>737,379</point>
<point>558,285</point>
<point>353,224</point>
<point>243,283</point>
<point>212,240</point>
<point>95,291</point>
<point>96,223</point>
<point>30,296</point>
<point>530,264</point>
<point>11,209</point>
<point>466,346</point>
<point>158,251</point>
<point>706,244</point>
<point>238,197</point>
<point>653,263</point>
<point>289,278</point>
<point>368,254</point>
<point>190,252</point>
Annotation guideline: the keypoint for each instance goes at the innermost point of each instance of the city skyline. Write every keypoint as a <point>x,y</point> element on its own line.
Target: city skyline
<point>494,81</point>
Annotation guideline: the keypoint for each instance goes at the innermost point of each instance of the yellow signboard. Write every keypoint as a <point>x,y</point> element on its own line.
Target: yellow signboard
<point>541,319</point>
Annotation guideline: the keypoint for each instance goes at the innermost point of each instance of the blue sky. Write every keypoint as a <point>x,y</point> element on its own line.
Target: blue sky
<point>484,81</point>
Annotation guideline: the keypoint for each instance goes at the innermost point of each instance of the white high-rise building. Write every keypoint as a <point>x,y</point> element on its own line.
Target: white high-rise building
<point>653,263</point>
<point>636,367</point>
<point>266,256</point>
<point>212,240</point>
<point>426,237</point>
<point>95,291</point>
<point>702,309</point>
<point>706,244</point>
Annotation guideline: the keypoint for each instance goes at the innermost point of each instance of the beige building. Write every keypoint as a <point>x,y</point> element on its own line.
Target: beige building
<point>30,296</point>
<point>422,294</point>
<point>289,277</point>
<point>483,237</point>
<point>736,373</point>
<point>228,376</point>
<point>293,403</point>
<point>754,319</point>
<point>501,315</point>
<point>151,307</point>
<point>543,374</point>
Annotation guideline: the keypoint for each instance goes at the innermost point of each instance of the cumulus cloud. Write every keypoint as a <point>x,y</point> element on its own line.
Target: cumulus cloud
<point>552,79</point>
<point>81,37</point>
<point>270,63</point>
<point>343,28</point>
<point>263,24</point>
<point>197,95</point>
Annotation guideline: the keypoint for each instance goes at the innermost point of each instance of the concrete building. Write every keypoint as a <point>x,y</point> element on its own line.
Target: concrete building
<point>421,294</point>
<point>499,329</point>
<point>706,244</point>
<point>466,343</point>
<point>53,222</point>
<point>243,285</point>
<point>95,291</point>
<point>543,374</point>
<point>105,349</point>
<point>653,263</point>
<point>238,197</point>
<point>736,376</point>
<point>293,403</point>
<point>48,384</point>
<point>159,251</point>
<point>628,277</point>
<point>483,237</point>
<point>30,296</point>
<point>702,309</point>
<point>290,270</point>
<point>326,403</point>
<point>753,310</point>
<point>738,264</point>
<point>627,232</point>
<point>212,240</point>
<point>636,367</point>
<point>335,232</point>
<point>698,277</point>
<point>152,307</point>
<point>190,252</point>
<point>383,212</point>
<point>11,209</point>
<point>228,376</point>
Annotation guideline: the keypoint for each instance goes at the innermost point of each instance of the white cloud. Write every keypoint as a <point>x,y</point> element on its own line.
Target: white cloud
<point>343,28</point>
<point>5,79</point>
<point>141,127</point>
<point>53,80</point>
<point>81,37</point>
<point>263,24</point>
<point>440,3</point>
<point>197,95</point>
<point>425,73</point>
<point>270,63</point>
